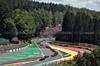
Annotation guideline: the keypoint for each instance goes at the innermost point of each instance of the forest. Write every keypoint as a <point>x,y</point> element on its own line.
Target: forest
<point>27,18</point>
<point>81,27</point>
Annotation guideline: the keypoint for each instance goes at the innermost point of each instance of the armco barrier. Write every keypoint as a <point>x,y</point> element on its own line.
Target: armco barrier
<point>75,44</point>
<point>88,48</point>
<point>11,48</point>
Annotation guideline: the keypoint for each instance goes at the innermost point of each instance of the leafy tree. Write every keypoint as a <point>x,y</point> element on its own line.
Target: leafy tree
<point>25,23</point>
<point>10,30</point>
<point>89,59</point>
<point>50,14</point>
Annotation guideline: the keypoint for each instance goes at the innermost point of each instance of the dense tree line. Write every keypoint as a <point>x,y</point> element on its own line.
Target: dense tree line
<point>80,27</point>
<point>26,18</point>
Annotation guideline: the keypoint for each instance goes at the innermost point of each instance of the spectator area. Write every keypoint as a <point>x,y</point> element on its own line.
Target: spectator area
<point>48,32</point>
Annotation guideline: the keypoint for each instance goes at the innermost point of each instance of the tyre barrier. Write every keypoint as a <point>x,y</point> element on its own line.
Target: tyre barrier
<point>88,48</point>
<point>17,49</point>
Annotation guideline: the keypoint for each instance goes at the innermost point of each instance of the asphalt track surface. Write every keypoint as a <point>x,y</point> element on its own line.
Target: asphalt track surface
<point>84,50</point>
<point>46,52</point>
<point>13,53</point>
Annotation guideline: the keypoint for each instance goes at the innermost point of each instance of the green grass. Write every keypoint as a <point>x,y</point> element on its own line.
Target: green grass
<point>33,44</point>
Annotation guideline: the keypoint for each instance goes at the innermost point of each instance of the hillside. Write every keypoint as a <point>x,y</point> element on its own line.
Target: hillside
<point>27,18</point>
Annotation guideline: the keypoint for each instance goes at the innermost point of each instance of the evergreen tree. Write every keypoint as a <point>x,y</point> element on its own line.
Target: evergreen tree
<point>4,13</point>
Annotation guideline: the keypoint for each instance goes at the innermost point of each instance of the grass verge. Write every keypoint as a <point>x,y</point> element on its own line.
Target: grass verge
<point>33,44</point>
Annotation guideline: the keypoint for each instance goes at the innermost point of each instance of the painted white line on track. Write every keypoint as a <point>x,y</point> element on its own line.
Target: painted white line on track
<point>40,49</point>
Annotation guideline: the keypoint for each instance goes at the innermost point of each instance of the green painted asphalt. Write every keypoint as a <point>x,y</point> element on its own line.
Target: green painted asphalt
<point>60,52</point>
<point>31,52</point>
<point>2,52</point>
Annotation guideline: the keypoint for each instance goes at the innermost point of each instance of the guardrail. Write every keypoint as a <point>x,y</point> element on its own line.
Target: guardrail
<point>11,48</point>
<point>76,44</point>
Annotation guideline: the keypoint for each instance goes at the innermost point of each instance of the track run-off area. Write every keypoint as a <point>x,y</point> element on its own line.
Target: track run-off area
<point>31,52</point>
<point>56,53</point>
